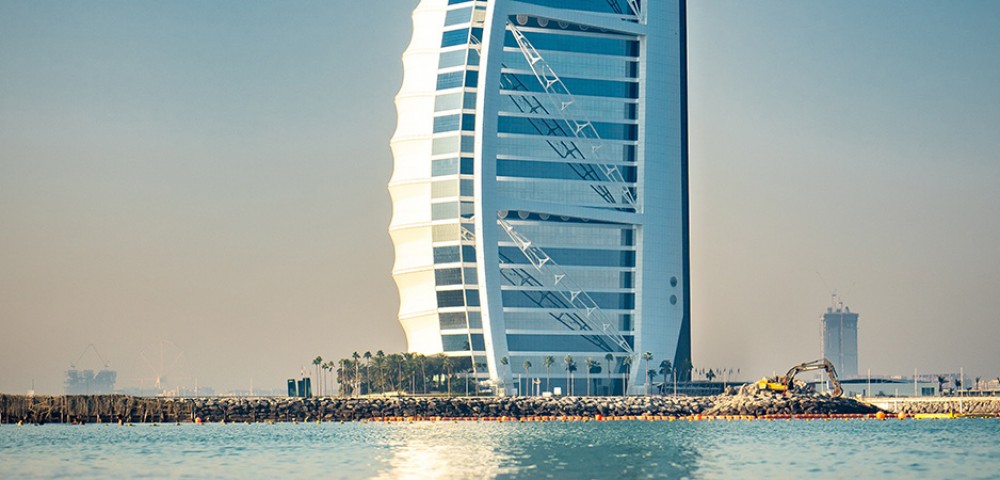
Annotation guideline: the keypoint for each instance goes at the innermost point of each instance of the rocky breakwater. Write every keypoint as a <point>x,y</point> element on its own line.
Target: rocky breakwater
<point>356,409</point>
<point>750,401</point>
<point>120,408</point>
<point>963,405</point>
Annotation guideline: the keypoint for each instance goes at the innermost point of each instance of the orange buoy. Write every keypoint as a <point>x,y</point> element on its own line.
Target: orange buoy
<point>901,416</point>
<point>880,415</point>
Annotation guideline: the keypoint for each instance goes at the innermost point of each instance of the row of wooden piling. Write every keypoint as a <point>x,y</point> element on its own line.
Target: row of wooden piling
<point>92,409</point>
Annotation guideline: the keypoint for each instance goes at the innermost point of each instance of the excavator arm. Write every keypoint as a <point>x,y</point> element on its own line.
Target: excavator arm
<point>821,364</point>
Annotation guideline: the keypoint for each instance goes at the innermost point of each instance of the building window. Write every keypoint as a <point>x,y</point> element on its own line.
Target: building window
<point>446,255</point>
<point>450,59</point>
<point>451,298</point>
<point>455,37</point>
<point>447,123</point>
<point>463,343</point>
<point>445,145</point>
<point>444,211</point>
<point>448,276</point>
<point>458,16</point>
<point>452,321</point>
<point>450,80</point>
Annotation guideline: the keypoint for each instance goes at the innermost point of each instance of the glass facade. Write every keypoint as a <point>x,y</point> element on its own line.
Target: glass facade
<point>533,120</point>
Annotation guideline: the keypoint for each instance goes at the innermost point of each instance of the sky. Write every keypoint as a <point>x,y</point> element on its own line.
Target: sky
<point>208,180</point>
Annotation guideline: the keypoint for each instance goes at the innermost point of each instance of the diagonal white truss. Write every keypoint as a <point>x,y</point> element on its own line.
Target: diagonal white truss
<point>566,149</point>
<point>633,5</point>
<point>562,101</point>
<point>556,279</point>
<point>637,10</point>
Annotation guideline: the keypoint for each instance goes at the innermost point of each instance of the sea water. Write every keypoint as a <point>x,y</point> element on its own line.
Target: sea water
<point>962,448</point>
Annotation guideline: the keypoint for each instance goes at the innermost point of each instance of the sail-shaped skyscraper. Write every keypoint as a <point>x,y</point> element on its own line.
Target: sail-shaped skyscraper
<point>540,205</point>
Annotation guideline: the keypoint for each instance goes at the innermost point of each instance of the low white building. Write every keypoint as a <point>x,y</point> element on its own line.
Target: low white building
<point>882,387</point>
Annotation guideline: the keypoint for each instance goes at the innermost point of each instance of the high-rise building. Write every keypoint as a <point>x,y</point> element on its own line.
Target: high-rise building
<point>540,204</point>
<point>839,331</point>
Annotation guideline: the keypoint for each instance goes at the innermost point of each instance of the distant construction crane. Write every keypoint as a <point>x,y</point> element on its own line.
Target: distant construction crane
<point>85,382</point>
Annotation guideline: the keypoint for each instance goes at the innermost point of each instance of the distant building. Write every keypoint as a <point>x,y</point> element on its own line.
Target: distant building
<point>882,387</point>
<point>86,382</point>
<point>839,333</point>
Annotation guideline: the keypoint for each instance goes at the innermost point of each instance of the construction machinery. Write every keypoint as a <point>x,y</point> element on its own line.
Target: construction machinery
<point>784,383</point>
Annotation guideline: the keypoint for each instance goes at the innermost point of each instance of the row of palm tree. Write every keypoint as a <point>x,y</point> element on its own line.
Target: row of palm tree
<point>323,381</point>
<point>956,383</point>
<point>593,366</point>
<point>381,373</point>
<point>711,373</point>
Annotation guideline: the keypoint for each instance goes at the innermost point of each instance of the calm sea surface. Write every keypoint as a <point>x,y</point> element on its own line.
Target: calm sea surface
<point>965,448</point>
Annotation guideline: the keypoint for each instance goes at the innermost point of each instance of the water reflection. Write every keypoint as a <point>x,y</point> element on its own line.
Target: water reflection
<point>619,449</point>
<point>570,450</point>
<point>445,450</point>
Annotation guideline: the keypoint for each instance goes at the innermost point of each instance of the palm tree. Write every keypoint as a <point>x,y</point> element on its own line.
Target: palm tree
<point>357,372</point>
<point>651,373</point>
<point>686,368</point>
<point>351,376</point>
<point>447,365</point>
<point>665,368</point>
<point>437,363</point>
<point>609,358</point>
<point>396,363</point>
<point>468,372</point>
<point>331,367</point>
<point>548,361</point>
<point>527,375</point>
<point>941,381</point>
<point>568,360</point>
<point>572,384</point>
<point>316,361</point>
<point>409,368</point>
<point>710,375</point>
<point>590,363</point>
<point>504,361</point>
<point>380,366</point>
<point>627,367</point>
<point>400,361</point>
<point>322,377</point>
<point>423,372</point>
<point>340,375</point>
<point>647,357</point>
<point>368,372</point>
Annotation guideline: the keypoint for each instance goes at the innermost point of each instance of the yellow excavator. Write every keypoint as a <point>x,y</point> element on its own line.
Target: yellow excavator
<point>783,383</point>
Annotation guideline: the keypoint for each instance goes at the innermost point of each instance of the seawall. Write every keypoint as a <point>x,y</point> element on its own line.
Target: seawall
<point>120,408</point>
<point>960,405</point>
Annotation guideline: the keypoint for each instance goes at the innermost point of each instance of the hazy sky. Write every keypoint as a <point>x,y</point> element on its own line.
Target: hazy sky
<point>212,175</point>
